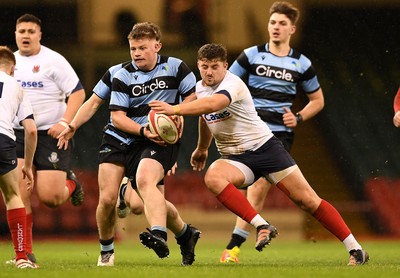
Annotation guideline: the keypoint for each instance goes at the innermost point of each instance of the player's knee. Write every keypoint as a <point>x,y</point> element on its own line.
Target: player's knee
<point>53,202</point>
<point>108,201</point>
<point>137,209</point>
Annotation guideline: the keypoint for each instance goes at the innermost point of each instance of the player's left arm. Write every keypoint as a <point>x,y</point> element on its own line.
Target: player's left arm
<point>75,100</point>
<point>315,104</point>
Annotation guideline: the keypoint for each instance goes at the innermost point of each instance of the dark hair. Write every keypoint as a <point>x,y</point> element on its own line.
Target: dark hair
<point>6,56</point>
<point>145,30</point>
<point>287,9</point>
<point>212,51</point>
<point>29,18</point>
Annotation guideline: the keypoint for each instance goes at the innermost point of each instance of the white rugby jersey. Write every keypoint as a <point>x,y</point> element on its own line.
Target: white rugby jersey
<point>48,79</point>
<point>13,102</point>
<point>237,128</point>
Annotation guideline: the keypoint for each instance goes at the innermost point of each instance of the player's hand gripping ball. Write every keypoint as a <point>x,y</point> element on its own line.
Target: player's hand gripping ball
<point>166,127</point>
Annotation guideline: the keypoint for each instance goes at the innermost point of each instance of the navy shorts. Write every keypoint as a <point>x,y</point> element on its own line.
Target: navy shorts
<point>112,150</point>
<point>269,158</point>
<point>167,156</point>
<point>8,154</point>
<point>286,138</point>
<point>47,155</point>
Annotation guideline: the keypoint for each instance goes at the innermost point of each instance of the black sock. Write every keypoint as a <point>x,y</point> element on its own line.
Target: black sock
<point>185,237</point>
<point>236,240</point>
<point>159,233</point>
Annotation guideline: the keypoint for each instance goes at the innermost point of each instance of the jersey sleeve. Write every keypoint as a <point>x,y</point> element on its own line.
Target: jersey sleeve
<point>119,98</point>
<point>239,66</point>
<point>64,75</point>
<point>24,109</point>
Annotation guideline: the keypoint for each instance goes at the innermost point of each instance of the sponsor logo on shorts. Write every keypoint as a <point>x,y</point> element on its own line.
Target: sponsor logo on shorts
<point>105,150</point>
<point>53,158</point>
<point>152,153</point>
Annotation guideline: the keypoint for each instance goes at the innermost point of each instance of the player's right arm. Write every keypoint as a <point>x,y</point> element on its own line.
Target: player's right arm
<point>30,148</point>
<point>84,114</point>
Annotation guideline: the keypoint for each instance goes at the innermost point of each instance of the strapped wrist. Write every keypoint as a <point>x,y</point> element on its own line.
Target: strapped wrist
<point>299,118</point>
<point>177,109</point>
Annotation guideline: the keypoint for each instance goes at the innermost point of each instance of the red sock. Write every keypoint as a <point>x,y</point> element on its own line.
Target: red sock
<point>17,223</point>
<point>331,219</point>
<point>28,238</point>
<point>236,202</point>
<point>71,185</point>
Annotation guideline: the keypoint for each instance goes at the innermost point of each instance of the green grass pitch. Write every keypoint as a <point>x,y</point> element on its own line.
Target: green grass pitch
<point>75,259</point>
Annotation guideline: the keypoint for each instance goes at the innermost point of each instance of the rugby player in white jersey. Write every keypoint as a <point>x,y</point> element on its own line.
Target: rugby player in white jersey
<point>248,151</point>
<point>55,92</point>
<point>14,103</point>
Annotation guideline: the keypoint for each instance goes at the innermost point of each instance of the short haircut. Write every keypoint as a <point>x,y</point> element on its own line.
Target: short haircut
<point>7,56</point>
<point>212,51</point>
<point>287,9</point>
<point>29,18</point>
<point>144,30</point>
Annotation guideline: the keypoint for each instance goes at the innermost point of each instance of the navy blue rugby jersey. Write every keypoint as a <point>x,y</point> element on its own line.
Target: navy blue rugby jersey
<point>132,89</point>
<point>272,81</point>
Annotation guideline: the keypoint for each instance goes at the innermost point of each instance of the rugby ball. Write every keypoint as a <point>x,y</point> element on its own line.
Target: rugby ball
<point>164,126</point>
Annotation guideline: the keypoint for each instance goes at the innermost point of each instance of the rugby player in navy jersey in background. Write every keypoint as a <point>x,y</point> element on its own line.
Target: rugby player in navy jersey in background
<point>248,150</point>
<point>112,160</point>
<point>148,77</point>
<point>272,72</point>
<point>396,106</point>
<point>14,103</point>
<point>48,80</point>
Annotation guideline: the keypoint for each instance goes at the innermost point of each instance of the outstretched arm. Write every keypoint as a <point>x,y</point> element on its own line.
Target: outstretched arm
<point>196,107</point>
<point>84,114</point>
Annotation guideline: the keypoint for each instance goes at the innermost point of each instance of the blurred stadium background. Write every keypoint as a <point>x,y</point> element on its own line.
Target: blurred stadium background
<point>349,152</point>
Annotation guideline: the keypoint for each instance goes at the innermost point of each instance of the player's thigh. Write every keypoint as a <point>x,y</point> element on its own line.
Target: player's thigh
<point>50,183</point>
<point>149,172</point>
<point>220,173</point>
<point>109,178</point>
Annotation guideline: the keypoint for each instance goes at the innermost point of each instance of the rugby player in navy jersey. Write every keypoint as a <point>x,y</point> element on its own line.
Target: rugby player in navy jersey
<point>273,71</point>
<point>148,77</point>
<point>248,150</point>
<point>112,159</point>
<point>56,93</point>
<point>14,103</point>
